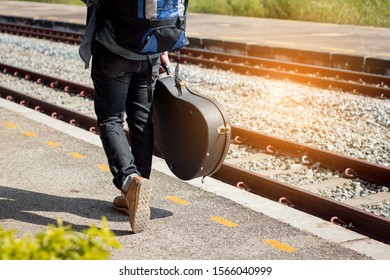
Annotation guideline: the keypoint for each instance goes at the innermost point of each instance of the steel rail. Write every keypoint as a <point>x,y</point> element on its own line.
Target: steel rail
<point>361,221</point>
<point>351,166</point>
<point>356,88</point>
<point>55,111</point>
<point>47,80</point>
<point>30,31</point>
<point>323,77</point>
<point>300,68</point>
<point>332,60</point>
<point>353,218</point>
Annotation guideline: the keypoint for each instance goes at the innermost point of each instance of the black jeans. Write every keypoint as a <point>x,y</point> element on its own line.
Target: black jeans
<point>121,85</point>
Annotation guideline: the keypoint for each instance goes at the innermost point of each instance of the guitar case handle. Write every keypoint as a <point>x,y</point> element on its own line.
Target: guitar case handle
<point>167,69</point>
<point>179,81</point>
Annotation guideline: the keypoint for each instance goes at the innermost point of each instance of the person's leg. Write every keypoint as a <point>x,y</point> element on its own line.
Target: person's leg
<point>139,115</point>
<point>120,83</point>
<point>111,75</point>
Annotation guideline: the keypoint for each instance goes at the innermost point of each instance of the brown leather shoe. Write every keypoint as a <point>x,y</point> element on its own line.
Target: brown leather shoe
<point>120,204</point>
<point>137,195</point>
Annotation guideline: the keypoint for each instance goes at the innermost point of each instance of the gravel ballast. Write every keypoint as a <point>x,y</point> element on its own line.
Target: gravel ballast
<point>344,123</point>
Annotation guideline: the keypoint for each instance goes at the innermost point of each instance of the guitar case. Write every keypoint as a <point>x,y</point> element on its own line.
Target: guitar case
<point>191,131</point>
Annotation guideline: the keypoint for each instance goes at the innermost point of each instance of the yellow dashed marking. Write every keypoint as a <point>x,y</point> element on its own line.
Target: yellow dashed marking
<point>337,49</point>
<point>177,200</point>
<point>52,18</point>
<point>279,43</point>
<point>104,167</point>
<point>224,222</point>
<point>75,20</point>
<point>279,245</point>
<point>29,134</point>
<point>52,144</point>
<point>194,34</point>
<point>76,155</point>
<point>231,38</point>
<point>10,125</point>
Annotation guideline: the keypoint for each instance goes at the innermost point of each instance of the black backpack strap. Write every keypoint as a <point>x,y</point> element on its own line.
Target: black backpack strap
<point>91,5</point>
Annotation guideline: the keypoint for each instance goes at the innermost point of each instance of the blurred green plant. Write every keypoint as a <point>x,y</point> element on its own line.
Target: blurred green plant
<point>59,243</point>
<point>358,12</point>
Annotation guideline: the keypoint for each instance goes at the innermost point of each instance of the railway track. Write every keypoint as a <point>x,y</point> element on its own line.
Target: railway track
<point>324,77</point>
<point>235,170</point>
<point>349,81</point>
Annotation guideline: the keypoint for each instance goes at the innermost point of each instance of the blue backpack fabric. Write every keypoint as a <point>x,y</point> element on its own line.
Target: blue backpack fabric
<point>150,26</point>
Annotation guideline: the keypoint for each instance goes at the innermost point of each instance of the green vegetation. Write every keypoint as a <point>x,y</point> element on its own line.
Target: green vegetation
<point>357,12</point>
<point>59,243</point>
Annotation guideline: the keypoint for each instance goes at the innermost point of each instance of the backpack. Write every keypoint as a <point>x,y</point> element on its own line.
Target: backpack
<point>150,26</point>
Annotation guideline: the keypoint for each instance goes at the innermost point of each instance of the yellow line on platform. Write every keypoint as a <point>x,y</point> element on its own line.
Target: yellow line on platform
<point>104,167</point>
<point>280,43</point>
<point>193,34</point>
<point>337,49</point>
<point>231,38</point>
<point>76,20</point>
<point>10,125</point>
<point>52,144</point>
<point>29,134</point>
<point>177,200</point>
<point>223,221</point>
<point>279,245</point>
<point>76,155</point>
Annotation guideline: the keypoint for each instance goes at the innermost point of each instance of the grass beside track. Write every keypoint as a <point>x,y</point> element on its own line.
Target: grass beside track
<point>356,12</point>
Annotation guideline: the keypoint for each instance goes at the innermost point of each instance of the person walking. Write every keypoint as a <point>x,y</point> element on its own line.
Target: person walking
<point>124,82</point>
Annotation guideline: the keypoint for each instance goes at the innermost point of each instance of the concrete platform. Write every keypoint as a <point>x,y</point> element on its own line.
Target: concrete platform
<point>50,169</point>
